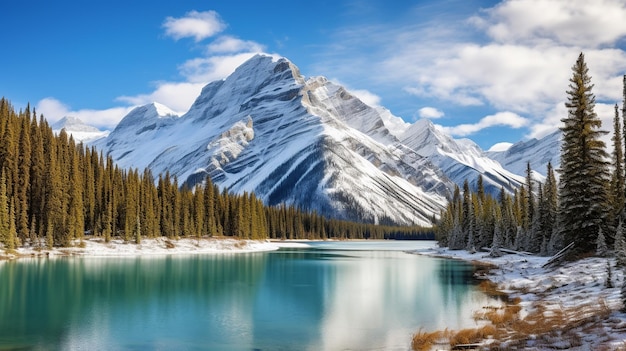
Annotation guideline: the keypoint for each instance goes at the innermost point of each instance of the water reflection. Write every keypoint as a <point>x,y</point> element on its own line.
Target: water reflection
<point>315,299</point>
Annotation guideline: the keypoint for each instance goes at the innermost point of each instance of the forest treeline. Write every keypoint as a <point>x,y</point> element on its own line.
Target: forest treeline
<point>53,192</point>
<point>583,206</point>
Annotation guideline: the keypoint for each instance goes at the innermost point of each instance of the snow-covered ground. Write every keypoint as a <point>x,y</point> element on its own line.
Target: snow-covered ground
<point>578,307</point>
<point>158,246</point>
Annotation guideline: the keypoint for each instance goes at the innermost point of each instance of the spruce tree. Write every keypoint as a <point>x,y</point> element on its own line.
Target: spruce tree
<point>584,171</point>
<point>617,193</point>
<point>602,248</point>
<point>550,196</point>
<point>4,210</point>
<point>624,117</point>
<point>620,246</point>
<point>530,196</point>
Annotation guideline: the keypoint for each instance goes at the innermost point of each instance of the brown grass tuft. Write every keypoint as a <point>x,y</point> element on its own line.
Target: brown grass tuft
<point>424,341</point>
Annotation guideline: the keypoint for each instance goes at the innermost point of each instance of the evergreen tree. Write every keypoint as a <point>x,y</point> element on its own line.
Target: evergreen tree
<point>530,199</point>
<point>624,118</point>
<point>549,222</point>
<point>12,241</point>
<point>498,239</point>
<point>23,186</point>
<point>4,211</point>
<point>618,189</point>
<point>620,246</point>
<point>602,248</point>
<point>584,172</point>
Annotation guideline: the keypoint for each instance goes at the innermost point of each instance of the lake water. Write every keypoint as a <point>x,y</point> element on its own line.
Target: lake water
<point>329,296</point>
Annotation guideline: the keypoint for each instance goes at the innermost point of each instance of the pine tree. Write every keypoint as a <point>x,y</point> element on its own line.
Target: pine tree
<point>198,199</point>
<point>549,222</point>
<point>4,211</point>
<point>609,275</point>
<point>530,196</point>
<point>618,189</point>
<point>12,243</point>
<point>584,172</point>
<point>602,248</point>
<point>620,246</point>
<point>624,117</point>
<point>498,239</point>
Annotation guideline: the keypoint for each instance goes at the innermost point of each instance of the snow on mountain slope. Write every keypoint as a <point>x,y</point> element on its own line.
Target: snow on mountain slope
<point>536,151</point>
<point>78,129</point>
<point>459,159</point>
<point>308,142</point>
<point>134,133</point>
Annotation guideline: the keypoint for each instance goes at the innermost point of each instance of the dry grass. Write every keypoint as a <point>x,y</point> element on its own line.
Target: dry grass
<point>424,341</point>
<point>473,335</point>
<point>491,289</point>
<point>508,330</point>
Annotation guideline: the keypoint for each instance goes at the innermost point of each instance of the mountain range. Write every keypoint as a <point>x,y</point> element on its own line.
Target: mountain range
<point>309,142</point>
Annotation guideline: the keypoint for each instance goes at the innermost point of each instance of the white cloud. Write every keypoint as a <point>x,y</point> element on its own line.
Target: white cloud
<point>229,44</point>
<point>430,112</point>
<point>53,110</point>
<point>509,119</point>
<point>589,24</point>
<point>515,56</point>
<point>199,25</point>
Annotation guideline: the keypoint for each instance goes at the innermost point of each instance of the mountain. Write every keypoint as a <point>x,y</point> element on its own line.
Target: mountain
<point>536,151</point>
<point>459,159</point>
<point>78,129</point>
<point>308,142</point>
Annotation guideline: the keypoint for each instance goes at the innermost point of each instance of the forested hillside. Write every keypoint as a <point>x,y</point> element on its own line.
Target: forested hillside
<point>53,192</point>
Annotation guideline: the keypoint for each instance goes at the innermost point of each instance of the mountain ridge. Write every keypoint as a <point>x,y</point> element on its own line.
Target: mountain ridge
<point>306,142</point>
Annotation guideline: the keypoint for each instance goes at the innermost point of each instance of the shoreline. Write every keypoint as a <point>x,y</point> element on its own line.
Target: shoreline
<point>573,306</point>
<point>116,247</point>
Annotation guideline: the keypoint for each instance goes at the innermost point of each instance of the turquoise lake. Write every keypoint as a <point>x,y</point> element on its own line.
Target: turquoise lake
<point>328,296</point>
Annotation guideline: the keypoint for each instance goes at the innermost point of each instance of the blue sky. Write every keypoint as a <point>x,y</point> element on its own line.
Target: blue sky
<point>492,71</point>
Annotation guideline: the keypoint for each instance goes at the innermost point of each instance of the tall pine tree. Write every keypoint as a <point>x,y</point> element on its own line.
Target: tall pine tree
<point>584,171</point>
<point>617,193</point>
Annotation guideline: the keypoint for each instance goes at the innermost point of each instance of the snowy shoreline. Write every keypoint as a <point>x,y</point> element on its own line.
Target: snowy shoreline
<point>579,293</point>
<point>97,247</point>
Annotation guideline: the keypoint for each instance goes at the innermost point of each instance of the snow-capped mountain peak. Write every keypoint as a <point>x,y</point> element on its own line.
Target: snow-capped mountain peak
<point>79,130</point>
<point>309,142</point>
<point>536,151</point>
<point>459,159</point>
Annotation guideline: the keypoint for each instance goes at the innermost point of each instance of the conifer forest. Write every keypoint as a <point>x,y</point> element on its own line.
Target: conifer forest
<point>580,204</point>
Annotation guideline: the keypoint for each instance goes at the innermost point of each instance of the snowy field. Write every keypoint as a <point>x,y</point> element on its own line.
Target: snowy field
<point>574,306</point>
<point>159,246</point>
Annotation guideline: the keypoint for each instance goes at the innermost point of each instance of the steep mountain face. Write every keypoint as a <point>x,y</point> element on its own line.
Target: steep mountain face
<point>458,159</point>
<point>268,130</point>
<point>539,152</point>
<point>78,129</point>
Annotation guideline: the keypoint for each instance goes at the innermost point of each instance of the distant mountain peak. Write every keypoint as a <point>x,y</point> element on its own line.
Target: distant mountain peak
<point>536,151</point>
<point>71,123</point>
<point>79,130</point>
